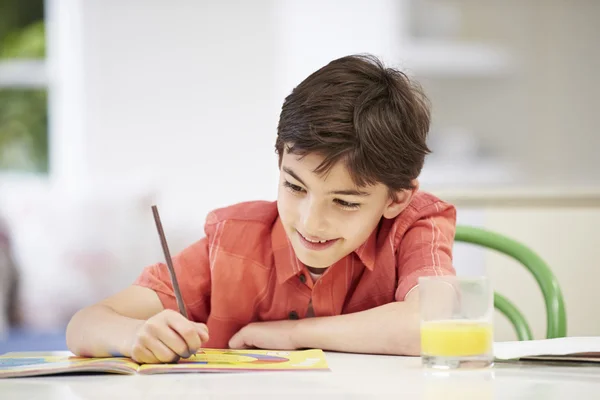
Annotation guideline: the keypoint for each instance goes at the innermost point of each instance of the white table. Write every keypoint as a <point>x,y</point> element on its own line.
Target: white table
<point>351,377</point>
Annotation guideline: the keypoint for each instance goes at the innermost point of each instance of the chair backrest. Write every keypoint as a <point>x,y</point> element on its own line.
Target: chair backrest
<point>555,307</point>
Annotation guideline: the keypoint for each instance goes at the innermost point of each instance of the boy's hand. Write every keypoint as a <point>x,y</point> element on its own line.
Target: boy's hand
<point>166,337</point>
<point>272,335</point>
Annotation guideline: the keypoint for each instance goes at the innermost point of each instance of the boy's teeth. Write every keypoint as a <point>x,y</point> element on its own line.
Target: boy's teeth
<point>315,241</point>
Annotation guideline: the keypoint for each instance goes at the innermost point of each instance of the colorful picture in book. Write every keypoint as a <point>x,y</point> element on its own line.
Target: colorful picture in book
<point>21,362</point>
<point>210,357</point>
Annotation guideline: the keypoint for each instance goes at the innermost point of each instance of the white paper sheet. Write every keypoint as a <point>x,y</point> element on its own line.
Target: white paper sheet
<point>569,349</point>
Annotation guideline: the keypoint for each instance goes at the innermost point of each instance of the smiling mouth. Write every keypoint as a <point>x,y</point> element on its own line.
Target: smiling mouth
<point>314,240</point>
<point>316,243</point>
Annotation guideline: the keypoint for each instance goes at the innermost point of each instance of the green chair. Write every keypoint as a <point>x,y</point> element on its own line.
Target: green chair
<point>555,306</point>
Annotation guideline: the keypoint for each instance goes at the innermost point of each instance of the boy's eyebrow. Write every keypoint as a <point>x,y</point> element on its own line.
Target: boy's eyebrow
<point>293,174</point>
<point>348,192</point>
<point>351,192</point>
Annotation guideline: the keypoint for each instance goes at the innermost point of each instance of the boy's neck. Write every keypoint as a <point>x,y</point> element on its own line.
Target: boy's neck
<point>316,271</point>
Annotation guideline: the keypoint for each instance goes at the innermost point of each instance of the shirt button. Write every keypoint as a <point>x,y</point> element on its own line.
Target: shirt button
<point>302,278</point>
<point>293,315</point>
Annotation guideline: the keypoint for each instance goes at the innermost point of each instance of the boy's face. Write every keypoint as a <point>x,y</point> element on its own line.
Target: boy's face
<point>327,217</point>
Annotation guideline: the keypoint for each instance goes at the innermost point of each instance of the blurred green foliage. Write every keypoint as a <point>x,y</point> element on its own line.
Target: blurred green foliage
<point>23,130</point>
<point>28,42</point>
<point>23,111</point>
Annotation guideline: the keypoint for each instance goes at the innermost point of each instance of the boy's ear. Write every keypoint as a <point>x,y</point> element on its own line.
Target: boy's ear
<point>402,199</point>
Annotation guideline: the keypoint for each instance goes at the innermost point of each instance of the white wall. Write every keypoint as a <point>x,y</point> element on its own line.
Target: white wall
<point>542,116</point>
<point>185,96</point>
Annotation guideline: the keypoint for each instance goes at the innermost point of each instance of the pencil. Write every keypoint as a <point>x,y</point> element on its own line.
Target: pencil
<point>165,247</point>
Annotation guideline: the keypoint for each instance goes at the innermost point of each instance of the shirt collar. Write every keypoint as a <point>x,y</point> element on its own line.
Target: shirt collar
<point>367,251</point>
<point>286,262</point>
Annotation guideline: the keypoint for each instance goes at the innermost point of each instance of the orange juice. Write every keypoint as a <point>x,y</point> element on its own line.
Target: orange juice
<point>456,338</point>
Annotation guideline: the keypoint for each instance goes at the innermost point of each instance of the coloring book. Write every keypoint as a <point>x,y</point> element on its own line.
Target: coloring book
<point>206,360</point>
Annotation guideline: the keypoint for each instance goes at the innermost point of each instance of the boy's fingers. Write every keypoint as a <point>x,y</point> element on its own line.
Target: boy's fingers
<point>159,329</point>
<point>142,355</point>
<point>202,330</point>
<point>162,352</point>
<point>171,339</point>
<point>193,334</point>
<point>237,341</point>
<point>187,331</point>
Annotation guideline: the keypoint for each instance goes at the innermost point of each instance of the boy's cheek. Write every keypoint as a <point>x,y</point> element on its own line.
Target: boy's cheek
<point>286,209</point>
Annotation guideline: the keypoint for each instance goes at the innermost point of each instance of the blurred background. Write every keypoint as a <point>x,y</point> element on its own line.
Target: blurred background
<point>110,106</point>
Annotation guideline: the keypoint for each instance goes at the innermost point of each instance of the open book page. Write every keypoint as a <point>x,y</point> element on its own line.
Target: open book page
<point>214,360</point>
<point>206,360</point>
<point>566,349</point>
<point>35,364</point>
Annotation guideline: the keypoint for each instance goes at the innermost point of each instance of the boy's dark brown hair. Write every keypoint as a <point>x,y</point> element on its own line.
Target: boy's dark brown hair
<point>354,109</point>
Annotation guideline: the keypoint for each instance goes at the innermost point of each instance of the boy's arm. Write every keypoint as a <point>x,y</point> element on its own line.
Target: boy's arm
<point>115,325</point>
<point>108,328</point>
<point>426,249</point>
<point>389,329</point>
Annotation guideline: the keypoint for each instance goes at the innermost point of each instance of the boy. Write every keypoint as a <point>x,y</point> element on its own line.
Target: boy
<point>332,264</point>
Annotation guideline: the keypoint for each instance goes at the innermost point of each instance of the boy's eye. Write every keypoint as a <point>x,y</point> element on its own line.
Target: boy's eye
<point>292,187</point>
<point>347,205</point>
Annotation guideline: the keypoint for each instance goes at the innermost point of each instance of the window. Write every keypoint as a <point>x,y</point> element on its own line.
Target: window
<point>23,93</point>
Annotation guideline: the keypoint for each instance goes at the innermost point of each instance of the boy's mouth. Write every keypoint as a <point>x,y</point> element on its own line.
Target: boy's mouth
<point>314,243</point>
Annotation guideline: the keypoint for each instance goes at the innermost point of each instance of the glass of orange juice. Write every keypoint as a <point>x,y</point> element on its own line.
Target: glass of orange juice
<point>456,322</point>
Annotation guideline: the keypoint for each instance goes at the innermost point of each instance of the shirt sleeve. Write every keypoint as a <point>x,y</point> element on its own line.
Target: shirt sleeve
<point>192,268</point>
<point>426,247</point>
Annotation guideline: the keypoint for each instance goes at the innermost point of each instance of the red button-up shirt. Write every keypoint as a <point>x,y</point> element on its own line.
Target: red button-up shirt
<point>245,269</point>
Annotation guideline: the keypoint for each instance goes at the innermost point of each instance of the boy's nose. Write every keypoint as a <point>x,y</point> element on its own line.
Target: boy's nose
<point>314,219</point>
